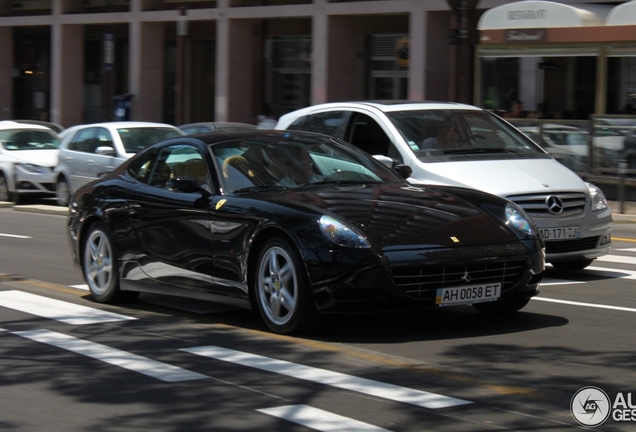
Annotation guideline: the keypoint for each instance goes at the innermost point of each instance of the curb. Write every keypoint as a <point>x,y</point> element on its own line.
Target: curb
<point>42,209</point>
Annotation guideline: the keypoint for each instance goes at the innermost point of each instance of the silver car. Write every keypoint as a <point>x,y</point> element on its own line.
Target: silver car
<point>28,154</point>
<point>89,151</point>
<point>463,145</point>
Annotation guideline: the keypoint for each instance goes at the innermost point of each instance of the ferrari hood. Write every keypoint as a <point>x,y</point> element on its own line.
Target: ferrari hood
<point>410,215</point>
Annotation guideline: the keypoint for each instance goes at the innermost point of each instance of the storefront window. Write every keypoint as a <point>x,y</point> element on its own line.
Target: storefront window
<point>548,86</point>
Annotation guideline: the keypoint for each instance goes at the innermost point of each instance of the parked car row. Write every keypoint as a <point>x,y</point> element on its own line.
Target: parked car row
<point>43,158</point>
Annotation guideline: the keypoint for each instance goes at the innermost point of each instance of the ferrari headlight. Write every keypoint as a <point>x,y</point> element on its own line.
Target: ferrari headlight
<point>518,219</point>
<point>340,234</point>
<point>35,169</point>
<point>599,202</point>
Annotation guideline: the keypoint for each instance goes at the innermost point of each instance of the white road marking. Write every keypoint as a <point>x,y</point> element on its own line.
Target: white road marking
<point>68,313</point>
<point>113,356</point>
<point>550,281</point>
<point>15,236</point>
<point>628,250</point>
<point>621,259</point>
<point>336,379</point>
<point>613,273</point>
<point>318,419</point>
<point>592,305</point>
<point>82,287</point>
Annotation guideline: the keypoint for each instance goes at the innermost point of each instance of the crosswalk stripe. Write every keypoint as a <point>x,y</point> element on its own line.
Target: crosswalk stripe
<point>318,419</point>
<point>620,259</point>
<point>58,310</point>
<point>613,273</point>
<point>592,305</point>
<point>113,356</point>
<point>335,379</point>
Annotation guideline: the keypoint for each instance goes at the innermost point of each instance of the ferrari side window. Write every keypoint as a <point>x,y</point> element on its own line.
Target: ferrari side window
<point>177,161</point>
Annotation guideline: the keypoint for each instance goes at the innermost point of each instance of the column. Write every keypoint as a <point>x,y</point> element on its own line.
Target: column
<point>146,70</point>
<point>417,53</point>
<point>6,73</point>
<point>319,50</point>
<point>222,85</point>
<point>67,81</point>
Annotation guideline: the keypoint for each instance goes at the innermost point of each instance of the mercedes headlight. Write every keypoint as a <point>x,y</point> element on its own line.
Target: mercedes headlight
<point>340,234</point>
<point>599,202</point>
<point>518,219</point>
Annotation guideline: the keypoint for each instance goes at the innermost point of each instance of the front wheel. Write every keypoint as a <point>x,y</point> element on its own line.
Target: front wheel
<point>99,265</point>
<point>62,192</point>
<point>5,195</point>
<point>501,307</point>
<point>281,288</point>
<point>572,265</point>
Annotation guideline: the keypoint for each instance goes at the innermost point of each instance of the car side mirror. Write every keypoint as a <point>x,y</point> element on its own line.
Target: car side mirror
<point>403,171</point>
<point>389,162</point>
<point>105,151</point>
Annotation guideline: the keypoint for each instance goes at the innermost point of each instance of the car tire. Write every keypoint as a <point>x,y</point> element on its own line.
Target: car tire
<point>281,288</point>
<point>99,266</point>
<point>501,307</point>
<point>572,265</point>
<point>62,192</point>
<point>5,195</point>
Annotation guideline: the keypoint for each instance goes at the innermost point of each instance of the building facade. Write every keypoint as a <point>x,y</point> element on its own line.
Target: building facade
<point>183,61</point>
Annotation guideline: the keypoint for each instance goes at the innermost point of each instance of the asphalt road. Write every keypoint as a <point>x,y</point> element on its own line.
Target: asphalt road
<point>69,364</point>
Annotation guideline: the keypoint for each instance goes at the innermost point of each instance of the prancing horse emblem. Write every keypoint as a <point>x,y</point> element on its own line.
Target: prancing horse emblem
<point>466,277</point>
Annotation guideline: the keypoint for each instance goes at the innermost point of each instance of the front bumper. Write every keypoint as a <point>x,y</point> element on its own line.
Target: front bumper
<point>409,279</point>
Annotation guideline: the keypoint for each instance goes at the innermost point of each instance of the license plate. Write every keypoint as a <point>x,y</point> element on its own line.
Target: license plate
<point>572,232</point>
<point>468,294</point>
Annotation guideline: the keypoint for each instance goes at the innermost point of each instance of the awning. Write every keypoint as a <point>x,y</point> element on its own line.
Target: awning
<point>624,14</point>
<point>543,14</point>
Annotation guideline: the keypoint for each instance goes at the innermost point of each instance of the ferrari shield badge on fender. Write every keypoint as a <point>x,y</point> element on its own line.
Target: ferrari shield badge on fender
<point>220,204</point>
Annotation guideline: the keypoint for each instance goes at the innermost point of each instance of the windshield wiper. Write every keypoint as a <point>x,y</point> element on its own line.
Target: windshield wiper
<point>259,188</point>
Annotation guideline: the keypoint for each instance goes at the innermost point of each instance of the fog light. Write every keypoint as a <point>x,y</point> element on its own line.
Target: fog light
<point>605,240</point>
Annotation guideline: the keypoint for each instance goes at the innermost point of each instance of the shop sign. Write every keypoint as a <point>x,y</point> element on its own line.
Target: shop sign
<point>525,35</point>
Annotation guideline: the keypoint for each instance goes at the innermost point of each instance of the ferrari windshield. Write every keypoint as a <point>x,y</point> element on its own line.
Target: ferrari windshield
<point>257,164</point>
<point>436,133</point>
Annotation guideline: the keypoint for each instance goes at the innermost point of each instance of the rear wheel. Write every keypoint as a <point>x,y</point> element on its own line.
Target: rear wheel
<point>99,265</point>
<point>572,265</point>
<point>501,307</point>
<point>62,192</point>
<point>281,288</point>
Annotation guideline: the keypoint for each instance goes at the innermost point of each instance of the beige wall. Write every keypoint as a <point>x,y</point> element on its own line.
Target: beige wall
<point>146,71</point>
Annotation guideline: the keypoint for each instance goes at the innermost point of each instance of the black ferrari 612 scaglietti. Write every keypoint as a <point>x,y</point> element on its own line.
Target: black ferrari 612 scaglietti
<point>297,224</point>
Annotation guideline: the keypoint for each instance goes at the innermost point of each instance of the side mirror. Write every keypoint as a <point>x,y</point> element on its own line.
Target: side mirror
<point>403,171</point>
<point>184,184</point>
<point>105,151</point>
<point>385,160</point>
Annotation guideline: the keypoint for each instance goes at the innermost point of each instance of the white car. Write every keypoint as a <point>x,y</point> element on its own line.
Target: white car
<point>28,154</point>
<point>89,151</point>
<point>462,145</point>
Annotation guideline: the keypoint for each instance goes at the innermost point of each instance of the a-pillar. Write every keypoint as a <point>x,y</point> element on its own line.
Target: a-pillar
<point>6,75</point>
<point>146,70</point>
<point>66,74</point>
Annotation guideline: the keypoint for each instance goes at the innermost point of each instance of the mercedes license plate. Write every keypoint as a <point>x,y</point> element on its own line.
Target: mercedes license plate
<point>468,294</point>
<point>572,232</point>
